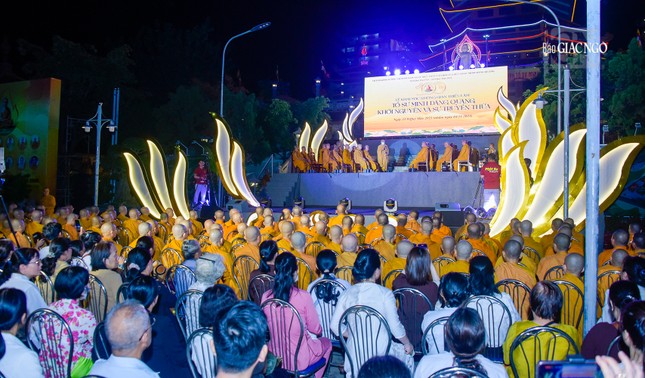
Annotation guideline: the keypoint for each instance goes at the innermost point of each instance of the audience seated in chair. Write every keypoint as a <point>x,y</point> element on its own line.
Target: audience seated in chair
<point>17,272</point>
<point>384,367</point>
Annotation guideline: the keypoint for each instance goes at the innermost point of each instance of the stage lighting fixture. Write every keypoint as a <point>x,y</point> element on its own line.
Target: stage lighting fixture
<point>384,68</point>
<point>416,71</point>
<point>299,202</point>
<point>388,73</point>
<point>461,67</point>
<point>390,205</point>
<point>397,72</point>
<point>482,65</point>
<point>469,209</point>
<point>481,213</point>
<point>407,72</point>
<point>472,66</point>
<point>347,202</point>
<point>451,68</point>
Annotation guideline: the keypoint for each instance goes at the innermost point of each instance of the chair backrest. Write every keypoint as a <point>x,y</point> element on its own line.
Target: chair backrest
<point>368,335</point>
<point>532,253</point>
<point>554,273</point>
<point>497,320</point>
<point>124,236</point>
<point>122,292</point>
<point>170,257</point>
<point>412,306</point>
<point>539,344</point>
<point>287,331</point>
<point>430,344</point>
<point>259,285</point>
<point>572,302</point>
<point>242,268</point>
<point>455,371</point>
<point>305,274</point>
<point>77,261</point>
<point>163,232</point>
<point>179,278</point>
<point>313,248</point>
<point>125,251</point>
<point>519,292</point>
<point>324,309</point>
<point>97,299</point>
<point>200,358</point>
<point>391,276</point>
<point>605,279</point>
<point>344,273</point>
<point>187,311</point>
<point>48,334</point>
<point>440,262</point>
<point>45,286</point>
<point>615,345</point>
<point>101,348</point>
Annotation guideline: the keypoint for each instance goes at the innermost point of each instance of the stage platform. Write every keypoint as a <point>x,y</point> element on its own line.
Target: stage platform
<point>412,190</point>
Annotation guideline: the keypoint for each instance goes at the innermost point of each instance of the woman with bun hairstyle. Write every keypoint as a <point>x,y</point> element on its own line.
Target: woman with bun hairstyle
<point>634,271</point>
<point>58,258</point>
<point>16,360</point>
<point>23,266</point>
<point>268,253</point>
<point>365,291</point>
<point>633,319</point>
<point>139,263</point>
<point>326,292</point>
<point>312,348</point>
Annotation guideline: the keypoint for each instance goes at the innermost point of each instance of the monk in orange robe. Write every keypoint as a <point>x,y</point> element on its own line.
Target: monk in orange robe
<point>464,155</point>
<point>446,157</point>
<point>510,269</point>
<point>423,157</point>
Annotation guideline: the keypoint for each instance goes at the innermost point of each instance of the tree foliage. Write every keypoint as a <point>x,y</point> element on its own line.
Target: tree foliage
<point>312,111</point>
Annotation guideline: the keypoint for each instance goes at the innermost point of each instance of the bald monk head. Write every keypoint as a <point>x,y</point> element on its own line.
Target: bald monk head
<point>634,228</point>
<point>437,215</point>
<point>413,215</point>
<point>340,209</point>
<point>208,223</point>
<point>574,263</point>
<point>252,235</point>
<point>403,248</point>
<point>570,222</point>
<point>286,228</point>
<point>426,218</point>
<point>618,257</point>
<point>639,241</point>
<point>382,219</point>
<point>144,229</point>
<point>216,237</point>
<point>512,251</point>
<point>108,230</point>
<point>566,229</point>
<point>377,212</point>
<point>304,221</point>
<point>296,211</point>
<point>561,242</point>
<point>401,220</point>
<point>360,219</point>
<point>426,228</point>
<point>286,214</point>
<point>241,227</point>
<point>323,217</point>
<point>347,222</point>
<point>473,231</point>
<point>336,234</point>
<point>179,232</point>
<point>470,218</point>
<point>219,215</point>
<point>464,250</point>
<point>526,228</point>
<point>389,232</point>
<point>620,238</point>
<point>267,211</point>
<point>95,221</point>
<point>321,228</point>
<point>133,214</point>
<point>267,221</point>
<point>518,239</point>
<point>298,241</point>
<point>349,243</point>
<point>448,245</point>
<point>436,222</point>
<point>486,228</point>
<point>556,224</point>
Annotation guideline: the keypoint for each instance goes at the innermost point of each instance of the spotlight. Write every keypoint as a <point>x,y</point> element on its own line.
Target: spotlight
<point>299,202</point>
<point>482,65</point>
<point>416,71</point>
<point>388,73</point>
<point>390,205</point>
<point>397,72</point>
<point>472,66</point>
<point>87,127</point>
<point>451,68</point>
<point>461,67</point>
<point>384,68</point>
<point>407,72</point>
<point>347,202</point>
<point>468,209</point>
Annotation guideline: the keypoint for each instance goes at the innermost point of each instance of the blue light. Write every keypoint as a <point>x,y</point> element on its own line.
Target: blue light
<point>451,68</point>
<point>407,72</point>
<point>416,71</point>
<point>461,67</point>
<point>482,65</point>
<point>388,73</point>
<point>397,72</point>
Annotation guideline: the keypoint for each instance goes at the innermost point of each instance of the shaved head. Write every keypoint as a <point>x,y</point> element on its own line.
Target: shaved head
<point>561,242</point>
<point>321,228</point>
<point>526,227</point>
<point>426,228</point>
<point>473,231</point>
<point>403,248</point>
<point>620,238</point>
<point>464,250</point>
<point>286,227</point>
<point>382,219</point>
<point>512,251</point>
<point>335,234</point>
<point>389,232</point>
<point>618,257</point>
<point>360,219</point>
<point>518,239</point>
<point>298,241</point>
<point>252,234</point>
<point>575,263</point>
<point>448,244</point>
<point>349,243</point>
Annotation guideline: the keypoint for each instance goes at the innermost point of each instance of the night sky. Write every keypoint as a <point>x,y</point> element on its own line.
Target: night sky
<point>302,33</point>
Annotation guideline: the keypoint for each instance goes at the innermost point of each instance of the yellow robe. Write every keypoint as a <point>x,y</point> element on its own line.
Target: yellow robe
<point>508,270</point>
<point>549,262</point>
<point>445,158</point>
<point>464,155</point>
<point>383,156</point>
<point>347,159</point>
<point>360,159</point>
<point>459,266</point>
<point>299,162</point>
<point>422,157</point>
<point>370,161</point>
<point>49,202</point>
<point>324,158</point>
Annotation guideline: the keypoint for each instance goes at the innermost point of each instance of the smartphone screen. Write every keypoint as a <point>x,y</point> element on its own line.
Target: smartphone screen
<point>78,225</point>
<point>566,369</point>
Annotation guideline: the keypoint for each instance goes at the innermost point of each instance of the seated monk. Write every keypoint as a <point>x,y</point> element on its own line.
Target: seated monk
<point>386,247</point>
<point>423,157</point>
<point>561,244</point>
<point>371,163</point>
<point>403,249</point>
<point>335,159</point>
<point>510,269</point>
<point>463,253</point>
<point>475,233</point>
<point>347,158</point>
<point>299,162</point>
<point>324,157</point>
<point>464,155</point>
<point>446,157</point>
<point>359,158</point>
<point>574,264</point>
<point>619,240</point>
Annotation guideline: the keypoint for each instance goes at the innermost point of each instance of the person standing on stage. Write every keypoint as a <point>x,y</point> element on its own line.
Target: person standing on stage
<point>200,174</point>
<point>490,174</point>
<point>383,155</point>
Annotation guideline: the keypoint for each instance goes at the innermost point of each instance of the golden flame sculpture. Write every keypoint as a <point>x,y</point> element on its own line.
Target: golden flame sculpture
<point>312,142</point>
<point>523,135</point>
<point>346,134</point>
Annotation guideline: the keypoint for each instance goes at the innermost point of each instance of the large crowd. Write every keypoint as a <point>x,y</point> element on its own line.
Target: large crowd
<point>115,293</point>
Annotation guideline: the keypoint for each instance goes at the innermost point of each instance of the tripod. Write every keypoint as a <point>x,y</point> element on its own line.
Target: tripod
<point>479,193</point>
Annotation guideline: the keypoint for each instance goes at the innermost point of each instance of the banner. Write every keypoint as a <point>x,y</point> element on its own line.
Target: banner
<point>447,102</point>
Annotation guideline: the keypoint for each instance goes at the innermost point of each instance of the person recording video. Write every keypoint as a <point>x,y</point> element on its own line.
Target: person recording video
<point>200,174</point>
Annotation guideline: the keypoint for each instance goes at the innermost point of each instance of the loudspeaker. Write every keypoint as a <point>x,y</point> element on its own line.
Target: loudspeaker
<point>453,219</point>
<point>447,206</point>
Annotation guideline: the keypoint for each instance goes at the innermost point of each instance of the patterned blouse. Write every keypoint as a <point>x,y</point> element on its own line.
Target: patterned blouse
<point>82,323</point>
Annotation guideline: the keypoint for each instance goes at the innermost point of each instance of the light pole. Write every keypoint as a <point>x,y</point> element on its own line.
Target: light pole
<point>486,36</point>
<point>98,122</point>
<point>221,96</point>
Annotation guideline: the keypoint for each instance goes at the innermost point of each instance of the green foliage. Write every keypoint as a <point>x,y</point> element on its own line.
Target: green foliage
<point>626,76</point>
<point>311,110</point>
<point>279,124</point>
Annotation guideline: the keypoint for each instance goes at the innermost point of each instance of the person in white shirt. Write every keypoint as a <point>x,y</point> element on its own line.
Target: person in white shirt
<point>466,339</point>
<point>326,294</point>
<point>129,333</point>
<point>17,273</point>
<point>16,360</point>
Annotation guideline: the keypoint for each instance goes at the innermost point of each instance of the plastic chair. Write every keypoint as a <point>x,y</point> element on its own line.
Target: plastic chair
<point>532,254</point>
<point>457,372</point>
<point>313,248</point>
<point>497,320</point>
<point>170,257</point>
<point>97,299</point>
<point>284,322</point>
<point>179,278</point>
<point>45,286</point>
<point>187,311</point>
<point>46,327</point>
<point>554,273</point>
<point>429,343</point>
<point>259,285</point>
<point>519,292</point>
<point>200,358</point>
<point>324,309</point>
<point>391,276</point>
<point>242,268</point>
<point>412,306</point>
<point>572,303</point>
<point>101,348</point>
<point>539,344</point>
<point>368,335</point>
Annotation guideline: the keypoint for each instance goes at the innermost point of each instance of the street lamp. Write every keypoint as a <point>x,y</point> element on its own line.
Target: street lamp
<point>253,29</point>
<point>98,122</point>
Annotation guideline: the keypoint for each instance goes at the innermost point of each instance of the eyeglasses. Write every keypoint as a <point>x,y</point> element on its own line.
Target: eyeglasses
<point>37,262</point>
<point>152,322</point>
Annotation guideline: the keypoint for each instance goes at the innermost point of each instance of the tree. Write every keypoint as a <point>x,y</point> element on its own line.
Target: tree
<point>312,111</point>
<point>279,124</point>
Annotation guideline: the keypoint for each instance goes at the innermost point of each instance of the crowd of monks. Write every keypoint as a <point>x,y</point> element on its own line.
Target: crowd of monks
<point>357,158</point>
